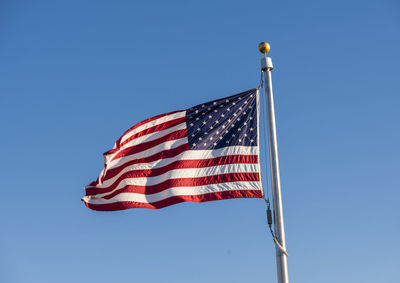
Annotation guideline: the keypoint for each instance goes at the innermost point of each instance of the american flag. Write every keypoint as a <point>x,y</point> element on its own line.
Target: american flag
<point>208,152</point>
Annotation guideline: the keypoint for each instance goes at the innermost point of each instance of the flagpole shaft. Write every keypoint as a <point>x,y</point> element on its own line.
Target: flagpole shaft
<point>281,258</point>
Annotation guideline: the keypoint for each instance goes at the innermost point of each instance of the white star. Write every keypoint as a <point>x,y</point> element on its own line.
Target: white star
<point>211,127</point>
<point>197,118</point>
<point>238,119</point>
<point>217,121</point>
<point>209,116</point>
<point>223,126</point>
<point>203,113</point>
<point>215,110</point>
<point>245,135</point>
<point>233,125</point>
<point>233,135</point>
<point>240,108</point>
<point>194,144</point>
<point>229,120</point>
<point>227,141</point>
<point>211,138</point>
<point>244,113</point>
<point>245,123</point>
<point>215,143</point>
<point>226,100</point>
<point>240,98</point>
<point>245,102</point>
<point>205,133</point>
<point>239,129</point>
<point>205,144</point>
<point>233,103</point>
<point>217,132</point>
<point>197,111</point>
<point>203,105</point>
<point>251,129</point>
<point>228,109</point>
<point>240,140</point>
<point>192,135</point>
<point>234,114</point>
<point>226,131</point>
<point>200,139</point>
<point>251,95</point>
<point>251,140</point>
<point>251,118</point>
<point>198,129</point>
<point>208,108</point>
<point>220,138</point>
<point>191,124</point>
<point>222,115</point>
<point>221,105</point>
<point>251,107</point>
<point>214,102</point>
<point>204,122</point>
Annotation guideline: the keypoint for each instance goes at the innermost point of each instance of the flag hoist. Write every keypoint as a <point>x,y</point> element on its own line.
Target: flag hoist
<point>204,153</point>
<point>279,237</point>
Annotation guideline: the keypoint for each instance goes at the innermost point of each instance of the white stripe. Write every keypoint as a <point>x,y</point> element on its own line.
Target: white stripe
<point>186,155</point>
<point>154,123</point>
<point>184,173</point>
<point>178,191</point>
<point>146,138</point>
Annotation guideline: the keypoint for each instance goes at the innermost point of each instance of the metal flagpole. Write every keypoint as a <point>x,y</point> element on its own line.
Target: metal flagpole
<point>281,255</point>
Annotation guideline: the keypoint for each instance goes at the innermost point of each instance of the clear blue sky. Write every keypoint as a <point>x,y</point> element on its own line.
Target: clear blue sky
<point>74,75</point>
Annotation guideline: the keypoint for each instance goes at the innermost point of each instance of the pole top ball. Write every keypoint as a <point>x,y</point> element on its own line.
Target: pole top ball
<point>264,47</point>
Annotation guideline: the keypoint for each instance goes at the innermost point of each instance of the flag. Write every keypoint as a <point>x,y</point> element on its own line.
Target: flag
<point>205,153</point>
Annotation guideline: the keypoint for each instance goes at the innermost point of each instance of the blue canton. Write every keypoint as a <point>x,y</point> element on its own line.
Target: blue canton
<point>229,121</point>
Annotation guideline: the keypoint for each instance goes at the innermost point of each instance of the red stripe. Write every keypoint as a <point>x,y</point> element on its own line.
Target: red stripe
<point>147,145</point>
<point>181,164</point>
<point>144,122</point>
<point>176,199</point>
<point>181,182</point>
<point>156,128</point>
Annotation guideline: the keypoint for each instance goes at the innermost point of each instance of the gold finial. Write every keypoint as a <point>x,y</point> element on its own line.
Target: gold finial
<point>264,47</point>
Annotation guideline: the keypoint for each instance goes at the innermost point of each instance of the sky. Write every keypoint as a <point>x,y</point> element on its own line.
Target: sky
<point>74,75</point>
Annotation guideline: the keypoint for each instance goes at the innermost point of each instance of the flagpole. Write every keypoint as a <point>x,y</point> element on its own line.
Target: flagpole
<point>281,256</point>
